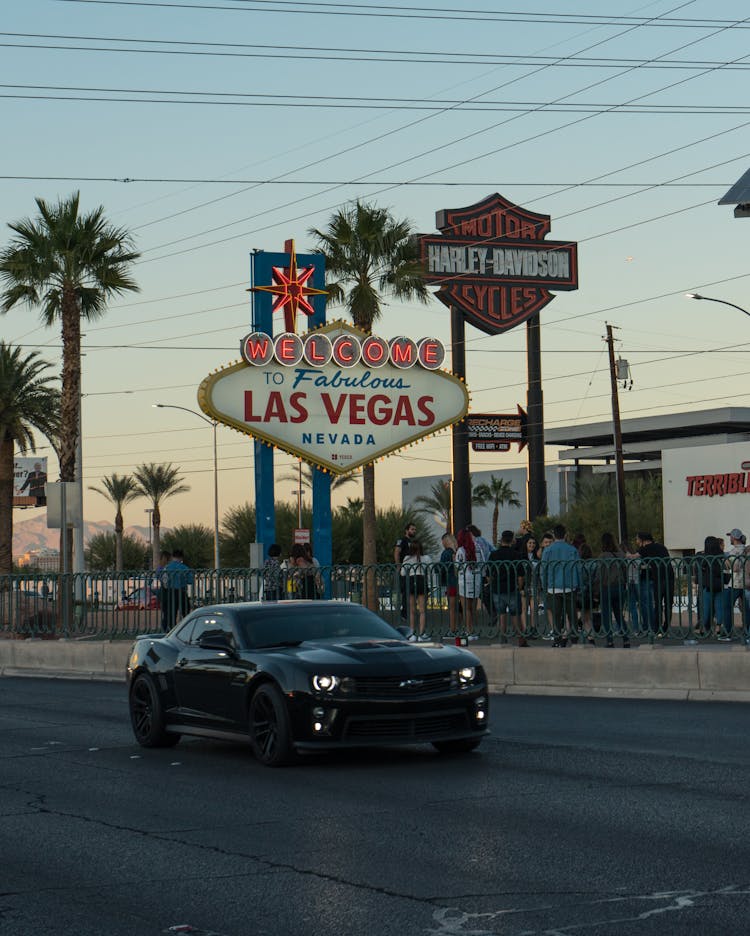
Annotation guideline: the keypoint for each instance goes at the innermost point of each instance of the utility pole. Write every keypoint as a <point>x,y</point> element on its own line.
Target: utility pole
<point>622,520</point>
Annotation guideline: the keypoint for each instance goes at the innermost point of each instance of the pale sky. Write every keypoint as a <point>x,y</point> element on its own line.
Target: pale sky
<point>626,124</point>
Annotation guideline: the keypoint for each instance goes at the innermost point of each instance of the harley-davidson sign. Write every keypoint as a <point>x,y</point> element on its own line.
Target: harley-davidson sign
<point>492,262</point>
<point>337,397</point>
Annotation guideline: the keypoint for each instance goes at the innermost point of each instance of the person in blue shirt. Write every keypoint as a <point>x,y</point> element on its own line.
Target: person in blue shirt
<point>175,579</point>
<point>561,579</point>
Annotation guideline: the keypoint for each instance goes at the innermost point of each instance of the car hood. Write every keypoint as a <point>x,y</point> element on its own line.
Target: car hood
<point>383,655</point>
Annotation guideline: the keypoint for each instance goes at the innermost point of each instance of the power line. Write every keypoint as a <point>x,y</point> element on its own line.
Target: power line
<point>405,183</point>
<point>405,12</point>
<point>343,54</point>
<point>188,99</point>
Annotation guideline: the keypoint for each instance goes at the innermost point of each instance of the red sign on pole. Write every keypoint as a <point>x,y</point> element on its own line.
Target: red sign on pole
<point>301,536</point>
<point>494,432</point>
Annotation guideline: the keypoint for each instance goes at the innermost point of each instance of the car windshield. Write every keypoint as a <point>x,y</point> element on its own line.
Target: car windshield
<point>289,624</point>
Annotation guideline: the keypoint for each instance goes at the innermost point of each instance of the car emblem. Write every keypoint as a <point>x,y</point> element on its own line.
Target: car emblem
<point>410,683</point>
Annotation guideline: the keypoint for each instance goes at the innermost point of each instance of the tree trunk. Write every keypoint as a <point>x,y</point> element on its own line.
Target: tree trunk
<point>495,515</point>
<point>369,542</point>
<point>70,397</point>
<point>6,505</point>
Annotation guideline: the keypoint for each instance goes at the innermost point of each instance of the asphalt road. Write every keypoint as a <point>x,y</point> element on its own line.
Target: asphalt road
<point>578,816</point>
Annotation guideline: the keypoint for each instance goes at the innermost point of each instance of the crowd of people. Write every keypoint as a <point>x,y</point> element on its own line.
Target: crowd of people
<point>297,576</point>
<point>553,588</point>
<point>557,589</point>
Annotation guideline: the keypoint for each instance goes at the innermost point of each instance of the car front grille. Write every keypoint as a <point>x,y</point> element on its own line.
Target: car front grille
<point>387,687</point>
<point>414,727</point>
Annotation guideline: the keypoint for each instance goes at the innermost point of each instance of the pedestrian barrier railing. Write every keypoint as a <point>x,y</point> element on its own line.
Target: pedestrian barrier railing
<point>604,601</point>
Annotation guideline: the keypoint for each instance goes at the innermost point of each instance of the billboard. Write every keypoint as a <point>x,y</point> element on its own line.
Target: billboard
<point>493,432</point>
<point>29,482</point>
<point>337,397</point>
<point>491,261</point>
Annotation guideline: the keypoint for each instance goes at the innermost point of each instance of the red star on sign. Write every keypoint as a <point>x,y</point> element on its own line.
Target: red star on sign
<point>289,285</point>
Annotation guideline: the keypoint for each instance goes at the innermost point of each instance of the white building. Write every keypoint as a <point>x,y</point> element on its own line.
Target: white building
<point>703,458</point>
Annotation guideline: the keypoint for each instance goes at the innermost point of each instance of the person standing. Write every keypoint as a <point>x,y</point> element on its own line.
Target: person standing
<point>560,572</point>
<point>449,580</point>
<point>469,573</point>
<point>709,576</point>
<point>506,583</point>
<point>484,548</point>
<point>414,570</point>
<point>304,574</point>
<point>611,577</point>
<point>530,556</point>
<point>272,575</point>
<point>400,552</point>
<point>177,576</point>
<point>657,585</point>
<point>547,630</point>
<point>159,586</point>
<point>735,590</point>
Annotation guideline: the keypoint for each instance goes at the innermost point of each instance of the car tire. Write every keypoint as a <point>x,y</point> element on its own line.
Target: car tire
<point>147,715</point>
<point>268,725</point>
<point>460,746</point>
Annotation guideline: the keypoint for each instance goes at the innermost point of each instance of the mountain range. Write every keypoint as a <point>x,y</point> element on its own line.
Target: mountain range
<point>34,533</point>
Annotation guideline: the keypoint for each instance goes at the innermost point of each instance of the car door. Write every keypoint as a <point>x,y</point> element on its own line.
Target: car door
<point>203,677</point>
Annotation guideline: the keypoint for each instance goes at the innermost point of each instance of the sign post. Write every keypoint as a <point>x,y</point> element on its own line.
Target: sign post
<point>494,269</point>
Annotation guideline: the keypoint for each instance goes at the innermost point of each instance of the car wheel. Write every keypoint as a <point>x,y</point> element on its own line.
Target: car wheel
<point>270,735</point>
<point>461,746</point>
<point>146,715</point>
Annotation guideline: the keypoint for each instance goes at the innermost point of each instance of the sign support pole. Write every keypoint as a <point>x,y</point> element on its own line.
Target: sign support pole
<point>461,500</point>
<point>537,495</point>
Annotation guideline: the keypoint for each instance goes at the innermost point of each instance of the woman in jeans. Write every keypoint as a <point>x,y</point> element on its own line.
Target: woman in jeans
<point>611,576</point>
<point>469,573</point>
<point>709,576</point>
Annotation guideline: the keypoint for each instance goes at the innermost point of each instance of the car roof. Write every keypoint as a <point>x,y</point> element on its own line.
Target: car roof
<point>296,606</point>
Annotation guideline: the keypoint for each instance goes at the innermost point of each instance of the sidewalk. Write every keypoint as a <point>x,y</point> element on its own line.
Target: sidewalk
<point>710,672</point>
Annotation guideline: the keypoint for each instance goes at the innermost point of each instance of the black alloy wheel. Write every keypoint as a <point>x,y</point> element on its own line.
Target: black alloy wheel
<point>146,715</point>
<point>270,736</point>
<point>460,746</point>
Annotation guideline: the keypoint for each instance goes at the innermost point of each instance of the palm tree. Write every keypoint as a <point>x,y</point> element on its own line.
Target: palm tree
<point>157,483</point>
<point>101,550</point>
<point>119,490</point>
<point>69,266</point>
<point>28,401</point>
<point>499,493</point>
<point>436,504</point>
<point>369,254</point>
<point>196,540</point>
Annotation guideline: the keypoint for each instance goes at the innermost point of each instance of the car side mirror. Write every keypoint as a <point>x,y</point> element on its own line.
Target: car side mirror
<point>218,642</point>
<point>404,630</point>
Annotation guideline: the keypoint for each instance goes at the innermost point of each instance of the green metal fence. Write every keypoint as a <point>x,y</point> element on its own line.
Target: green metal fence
<point>693,599</point>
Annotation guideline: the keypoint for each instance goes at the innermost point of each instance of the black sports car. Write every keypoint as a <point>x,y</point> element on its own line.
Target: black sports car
<point>296,676</point>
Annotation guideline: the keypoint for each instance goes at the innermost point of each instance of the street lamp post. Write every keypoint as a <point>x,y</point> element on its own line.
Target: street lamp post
<point>721,301</point>
<point>150,512</point>
<point>214,424</point>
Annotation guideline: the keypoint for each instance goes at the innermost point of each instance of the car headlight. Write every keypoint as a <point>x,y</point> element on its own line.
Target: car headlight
<point>466,675</point>
<point>323,683</point>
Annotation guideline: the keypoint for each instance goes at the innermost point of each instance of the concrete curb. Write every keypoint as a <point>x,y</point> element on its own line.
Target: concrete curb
<point>703,674</point>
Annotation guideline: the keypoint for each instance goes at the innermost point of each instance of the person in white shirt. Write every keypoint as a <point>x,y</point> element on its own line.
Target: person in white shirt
<point>414,569</point>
